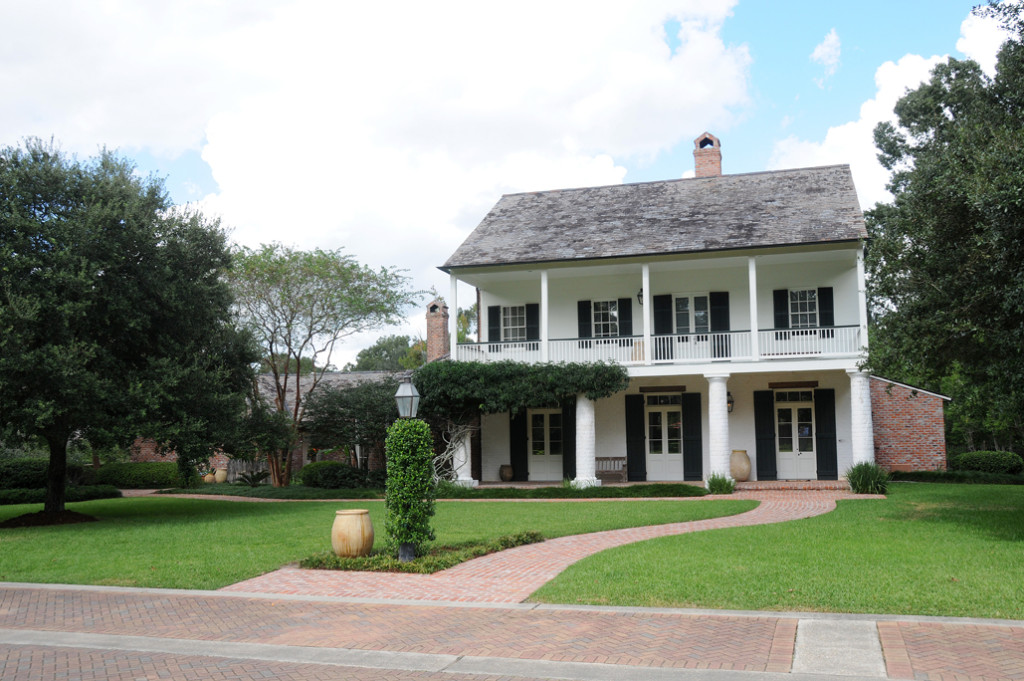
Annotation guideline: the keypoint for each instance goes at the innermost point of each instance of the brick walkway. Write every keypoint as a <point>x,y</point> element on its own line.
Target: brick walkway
<point>511,576</point>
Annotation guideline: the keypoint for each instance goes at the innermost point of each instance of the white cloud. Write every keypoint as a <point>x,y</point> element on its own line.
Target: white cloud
<point>853,142</point>
<point>827,54</point>
<point>980,40</point>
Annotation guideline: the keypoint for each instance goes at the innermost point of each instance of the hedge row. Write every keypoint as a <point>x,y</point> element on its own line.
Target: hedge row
<point>336,475</point>
<point>73,493</point>
<point>31,474</point>
<point>988,462</point>
<point>139,475</point>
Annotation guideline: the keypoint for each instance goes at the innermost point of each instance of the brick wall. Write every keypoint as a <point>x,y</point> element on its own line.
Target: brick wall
<point>147,450</point>
<point>910,429</point>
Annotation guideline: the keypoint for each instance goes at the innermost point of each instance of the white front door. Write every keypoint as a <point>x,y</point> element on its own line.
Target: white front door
<point>797,459</point>
<point>664,437</point>
<point>545,444</point>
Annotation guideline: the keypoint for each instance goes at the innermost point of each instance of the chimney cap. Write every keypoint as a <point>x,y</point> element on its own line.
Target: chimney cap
<point>707,140</point>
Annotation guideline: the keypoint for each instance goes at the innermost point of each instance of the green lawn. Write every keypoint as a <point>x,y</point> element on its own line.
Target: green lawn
<point>206,544</point>
<point>928,549</point>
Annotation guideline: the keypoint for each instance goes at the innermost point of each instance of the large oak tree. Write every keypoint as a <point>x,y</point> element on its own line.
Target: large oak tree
<point>115,319</point>
<point>946,258</point>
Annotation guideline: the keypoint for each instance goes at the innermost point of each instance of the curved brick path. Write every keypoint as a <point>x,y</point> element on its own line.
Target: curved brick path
<point>511,576</point>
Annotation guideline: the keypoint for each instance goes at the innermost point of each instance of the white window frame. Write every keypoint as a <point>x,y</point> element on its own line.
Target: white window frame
<point>803,308</point>
<point>545,449</point>
<point>690,325</point>
<point>605,318</point>
<point>513,323</point>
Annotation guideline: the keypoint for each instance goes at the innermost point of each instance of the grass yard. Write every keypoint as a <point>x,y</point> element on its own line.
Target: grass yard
<point>206,544</point>
<point>928,549</point>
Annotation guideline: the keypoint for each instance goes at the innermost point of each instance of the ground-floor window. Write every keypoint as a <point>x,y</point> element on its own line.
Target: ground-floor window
<point>546,443</point>
<point>794,413</point>
<point>664,437</point>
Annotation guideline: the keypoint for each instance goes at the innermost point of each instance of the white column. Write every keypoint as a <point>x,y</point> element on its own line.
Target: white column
<point>544,316</point>
<point>862,435</point>
<point>718,424</point>
<point>862,300</point>
<point>647,312</point>
<point>453,317</point>
<point>755,351</point>
<point>461,462</point>
<point>586,474</point>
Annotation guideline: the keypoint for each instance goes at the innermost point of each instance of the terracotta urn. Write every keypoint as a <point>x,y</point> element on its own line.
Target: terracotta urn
<point>739,465</point>
<point>505,473</point>
<point>352,533</point>
<point>221,475</point>
<point>209,477</point>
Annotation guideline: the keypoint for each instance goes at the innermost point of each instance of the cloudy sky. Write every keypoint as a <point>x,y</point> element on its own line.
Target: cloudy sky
<point>391,128</point>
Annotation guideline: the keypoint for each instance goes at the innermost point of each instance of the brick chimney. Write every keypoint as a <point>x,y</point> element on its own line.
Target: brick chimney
<point>707,155</point>
<point>438,337</point>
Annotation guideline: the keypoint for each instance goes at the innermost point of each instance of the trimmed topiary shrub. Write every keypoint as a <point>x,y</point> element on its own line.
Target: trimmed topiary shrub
<point>409,495</point>
<point>139,475</point>
<point>73,493</point>
<point>332,475</point>
<point>988,462</point>
<point>868,478</point>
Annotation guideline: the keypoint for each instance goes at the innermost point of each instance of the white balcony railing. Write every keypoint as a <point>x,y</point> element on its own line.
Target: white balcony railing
<point>839,341</point>
<point>694,348</point>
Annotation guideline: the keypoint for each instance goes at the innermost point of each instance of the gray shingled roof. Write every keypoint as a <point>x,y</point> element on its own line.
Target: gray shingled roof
<point>804,206</point>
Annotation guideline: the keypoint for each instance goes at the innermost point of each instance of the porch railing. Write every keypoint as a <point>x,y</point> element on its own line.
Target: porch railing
<point>689,348</point>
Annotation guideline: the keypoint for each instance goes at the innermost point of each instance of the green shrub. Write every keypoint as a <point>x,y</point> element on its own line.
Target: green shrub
<point>988,462</point>
<point>376,479</point>
<point>409,495</point>
<point>332,475</point>
<point>867,478</point>
<point>31,473</point>
<point>140,475</point>
<point>254,479</point>
<point>964,477</point>
<point>73,493</point>
<point>721,484</point>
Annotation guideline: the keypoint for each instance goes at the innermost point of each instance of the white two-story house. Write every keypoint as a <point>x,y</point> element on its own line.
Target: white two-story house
<point>736,302</point>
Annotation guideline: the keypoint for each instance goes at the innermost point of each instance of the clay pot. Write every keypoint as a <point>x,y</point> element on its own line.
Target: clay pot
<point>221,475</point>
<point>505,473</point>
<point>209,477</point>
<point>739,465</point>
<point>352,533</point>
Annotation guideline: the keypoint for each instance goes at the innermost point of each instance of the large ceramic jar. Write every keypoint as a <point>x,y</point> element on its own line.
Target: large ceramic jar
<point>739,465</point>
<point>352,533</point>
<point>221,475</point>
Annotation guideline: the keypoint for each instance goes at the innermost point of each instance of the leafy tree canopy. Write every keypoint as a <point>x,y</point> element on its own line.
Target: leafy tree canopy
<point>946,258</point>
<point>357,415</point>
<point>299,305</point>
<point>115,318</point>
<point>389,353</point>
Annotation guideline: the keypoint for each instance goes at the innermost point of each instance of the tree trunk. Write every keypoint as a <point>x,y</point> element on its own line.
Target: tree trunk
<point>56,473</point>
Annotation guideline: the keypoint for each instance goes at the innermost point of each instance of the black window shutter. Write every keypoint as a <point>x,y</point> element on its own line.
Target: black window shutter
<point>662,309</point>
<point>826,307</point>
<point>719,303</point>
<point>583,312</point>
<point>780,301</point>
<point>625,316</point>
<point>764,434</point>
<point>693,454</point>
<point>533,321</point>
<point>825,437</point>
<point>493,323</point>
<point>517,446</point>
<point>661,306</point>
<point>636,439</point>
<point>569,439</point>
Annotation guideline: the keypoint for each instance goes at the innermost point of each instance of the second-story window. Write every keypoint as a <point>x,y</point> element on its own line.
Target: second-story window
<point>692,314</point>
<point>803,309</point>
<point>513,323</point>
<point>606,318</point>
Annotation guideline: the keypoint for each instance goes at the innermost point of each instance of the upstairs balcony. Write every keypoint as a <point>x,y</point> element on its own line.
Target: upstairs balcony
<point>835,342</point>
